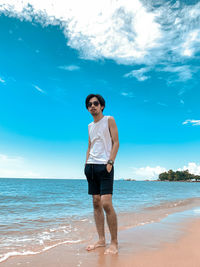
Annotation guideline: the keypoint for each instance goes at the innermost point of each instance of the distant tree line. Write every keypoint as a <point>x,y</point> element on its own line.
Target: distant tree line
<point>178,176</point>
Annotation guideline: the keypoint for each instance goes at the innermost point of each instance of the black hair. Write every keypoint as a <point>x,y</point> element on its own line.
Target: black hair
<point>99,97</point>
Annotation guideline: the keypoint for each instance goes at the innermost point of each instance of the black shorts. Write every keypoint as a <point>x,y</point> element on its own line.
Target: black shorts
<point>100,181</point>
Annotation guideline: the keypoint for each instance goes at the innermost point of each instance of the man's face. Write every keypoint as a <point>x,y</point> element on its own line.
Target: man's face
<point>94,106</point>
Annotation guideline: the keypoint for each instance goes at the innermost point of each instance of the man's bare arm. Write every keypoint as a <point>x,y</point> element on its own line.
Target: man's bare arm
<point>114,136</point>
<point>88,150</point>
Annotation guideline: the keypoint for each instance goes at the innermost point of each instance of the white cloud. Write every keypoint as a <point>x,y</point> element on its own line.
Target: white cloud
<point>4,159</point>
<point>184,72</point>
<point>128,32</point>
<point>181,73</point>
<point>147,172</point>
<point>15,167</point>
<point>188,47</point>
<point>39,89</point>
<point>193,122</point>
<point>2,80</point>
<point>139,74</point>
<point>181,29</point>
<point>192,167</point>
<point>120,30</point>
<point>129,94</point>
<point>69,67</point>
<point>162,104</point>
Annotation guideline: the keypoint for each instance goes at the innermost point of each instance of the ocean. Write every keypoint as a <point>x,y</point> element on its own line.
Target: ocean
<point>38,214</point>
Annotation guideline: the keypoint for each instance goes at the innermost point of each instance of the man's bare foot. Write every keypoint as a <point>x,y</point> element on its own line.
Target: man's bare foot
<point>113,249</point>
<point>96,245</point>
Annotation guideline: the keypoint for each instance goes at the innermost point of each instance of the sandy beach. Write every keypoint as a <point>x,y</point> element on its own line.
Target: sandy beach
<point>174,241</point>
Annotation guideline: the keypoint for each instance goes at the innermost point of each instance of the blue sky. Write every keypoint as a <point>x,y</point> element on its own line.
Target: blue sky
<point>143,58</point>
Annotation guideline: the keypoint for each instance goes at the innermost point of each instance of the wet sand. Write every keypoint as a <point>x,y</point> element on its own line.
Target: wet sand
<point>172,242</point>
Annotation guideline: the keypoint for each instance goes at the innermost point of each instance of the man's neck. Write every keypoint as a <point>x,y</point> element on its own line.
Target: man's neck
<point>98,117</point>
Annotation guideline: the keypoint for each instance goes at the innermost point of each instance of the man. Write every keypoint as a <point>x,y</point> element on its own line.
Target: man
<point>99,170</point>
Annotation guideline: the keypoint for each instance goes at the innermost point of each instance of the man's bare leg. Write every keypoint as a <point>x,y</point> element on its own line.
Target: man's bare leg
<point>99,220</point>
<point>111,217</point>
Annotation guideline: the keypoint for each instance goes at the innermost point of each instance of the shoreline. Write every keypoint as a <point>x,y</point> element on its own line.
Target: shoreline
<point>85,232</point>
<point>137,246</point>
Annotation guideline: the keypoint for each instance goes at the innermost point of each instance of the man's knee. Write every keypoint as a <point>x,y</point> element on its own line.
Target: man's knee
<point>107,207</point>
<point>106,203</point>
<point>96,201</point>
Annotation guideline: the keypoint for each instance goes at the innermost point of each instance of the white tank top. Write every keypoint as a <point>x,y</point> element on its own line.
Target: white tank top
<point>101,142</point>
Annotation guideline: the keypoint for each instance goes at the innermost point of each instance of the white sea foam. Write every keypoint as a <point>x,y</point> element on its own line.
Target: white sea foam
<point>83,220</point>
<point>196,211</point>
<point>16,253</point>
<point>147,222</point>
<point>28,252</point>
<point>143,223</point>
<point>79,263</point>
<point>68,227</point>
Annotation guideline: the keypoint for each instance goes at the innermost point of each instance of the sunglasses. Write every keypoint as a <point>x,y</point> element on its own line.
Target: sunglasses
<point>96,103</point>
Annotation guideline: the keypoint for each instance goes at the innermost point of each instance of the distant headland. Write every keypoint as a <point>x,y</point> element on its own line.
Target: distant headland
<point>173,176</point>
<point>176,176</point>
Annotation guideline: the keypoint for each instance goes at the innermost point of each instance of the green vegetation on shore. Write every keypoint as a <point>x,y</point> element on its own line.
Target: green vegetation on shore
<point>178,176</point>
